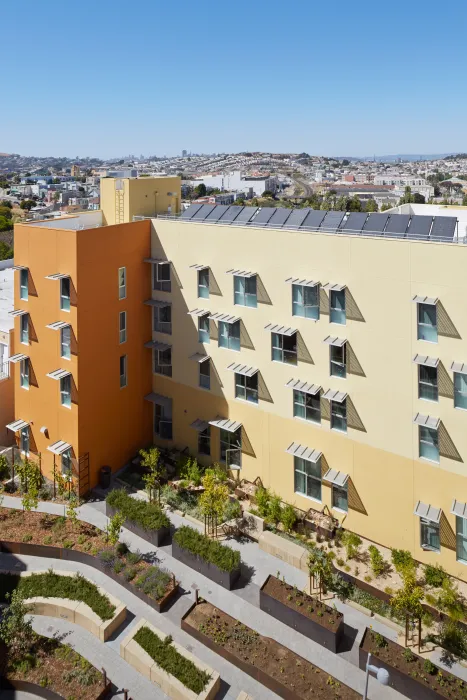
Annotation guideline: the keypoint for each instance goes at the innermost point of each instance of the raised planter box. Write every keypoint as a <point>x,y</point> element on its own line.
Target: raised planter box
<point>251,525</point>
<point>137,657</point>
<point>226,579</point>
<point>155,537</point>
<point>38,691</point>
<point>328,636</point>
<point>283,549</point>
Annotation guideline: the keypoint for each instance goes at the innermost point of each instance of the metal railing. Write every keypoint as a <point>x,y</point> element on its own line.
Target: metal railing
<point>4,370</point>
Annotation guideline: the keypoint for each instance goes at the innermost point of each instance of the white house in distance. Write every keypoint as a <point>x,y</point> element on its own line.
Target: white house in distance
<point>236,181</point>
<point>436,210</point>
<point>7,412</point>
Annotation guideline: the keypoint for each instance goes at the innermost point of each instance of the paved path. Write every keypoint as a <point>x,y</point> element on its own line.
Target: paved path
<point>242,603</point>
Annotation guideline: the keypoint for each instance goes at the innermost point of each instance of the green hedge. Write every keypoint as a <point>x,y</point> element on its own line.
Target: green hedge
<point>168,658</point>
<point>149,516</point>
<point>223,557</point>
<point>52,585</point>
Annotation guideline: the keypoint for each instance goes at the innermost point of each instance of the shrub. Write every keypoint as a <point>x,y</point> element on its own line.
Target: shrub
<point>81,539</point>
<point>289,517</point>
<point>171,661</point>
<point>118,566</point>
<point>453,638</point>
<point>340,562</point>
<point>232,510</point>
<point>429,667</point>
<point>107,557</point>
<point>148,516</point>
<point>403,562</point>
<point>380,641</point>
<point>262,498</point>
<point>154,581</point>
<point>408,655</point>
<point>133,557</point>
<point>4,468</point>
<point>192,472</point>
<point>223,557</point>
<point>351,542</point>
<point>376,560</point>
<point>129,573</point>
<point>27,537</point>
<point>274,514</point>
<point>68,544</point>
<point>48,539</point>
<point>435,575</point>
<point>121,548</point>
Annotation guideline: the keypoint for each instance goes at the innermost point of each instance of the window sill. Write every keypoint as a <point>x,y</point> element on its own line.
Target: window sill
<point>204,388</point>
<point>309,498</point>
<point>245,401</point>
<point>422,398</point>
<point>427,459</point>
<point>460,408</point>
<point>338,430</point>
<point>430,549</point>
<point>340,510</point>
<point>306,318</point>
<point>156,330</point>
<point>26,388</point>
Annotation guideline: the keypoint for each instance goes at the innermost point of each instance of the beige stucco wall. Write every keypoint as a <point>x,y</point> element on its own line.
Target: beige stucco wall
<point>380,449</point>
<point>138,197</point>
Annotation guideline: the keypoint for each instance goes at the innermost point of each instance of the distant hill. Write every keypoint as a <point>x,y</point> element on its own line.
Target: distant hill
<point>399,156</point>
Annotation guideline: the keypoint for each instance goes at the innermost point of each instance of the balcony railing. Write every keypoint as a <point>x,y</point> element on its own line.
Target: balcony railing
<point>4,370</point>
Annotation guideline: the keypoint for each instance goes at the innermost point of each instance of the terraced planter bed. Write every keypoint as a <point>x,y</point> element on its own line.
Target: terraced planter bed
<point>300,611</point>
<point>146,520</point>
<point>409,674</point>
<point>275,666</point>
<point>209,557</point>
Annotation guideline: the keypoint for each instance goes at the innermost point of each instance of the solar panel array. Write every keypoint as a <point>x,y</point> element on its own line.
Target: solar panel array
<point>415,227</point>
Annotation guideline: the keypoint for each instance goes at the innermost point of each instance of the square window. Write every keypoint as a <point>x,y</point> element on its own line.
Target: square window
<point>246,388</point>
<point>307,406</point>
<point>284,348</point>
<point>163,362</point>
<point>161,277</point>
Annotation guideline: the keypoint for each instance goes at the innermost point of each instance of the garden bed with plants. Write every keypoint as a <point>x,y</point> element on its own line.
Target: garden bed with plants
<point>146,520</point>
<point>302,612</point>
<point>214,560</point>
<point>409,674</point>
<point>272,664</point>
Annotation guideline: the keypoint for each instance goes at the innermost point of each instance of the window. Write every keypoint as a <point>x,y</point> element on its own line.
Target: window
<point>122,283</point>
<point>65,342</point>
<point>231,448</point>
<point>163,362</point>
<point>203,284</point>
<point>427,327</point>
<point>460,390</point>
<point>24,374</point>
<point>284,348</point>
<point>229,335</point>
<point>123,372</point>
<point>427,383</point>
<point>340,497</point>
<point>428,443</point>
<point>461,539</point>
<point>307,478</point>
<point>163,319</point>
<point>66,462</point>
<point>204,441</point>
<point>307,406</point>
<point>161,277</point>
<point>24,440</point>
<point>203,328</point>
<point>246,388</point>
<point>65,391</point>
<point>305,301</point>
<point>337,356</point>
<point>122,327</point>
<point>339,415</point>
<point>205,374</point>
<point>429,535</point>
<point>245,291</point>
<point>24,329</point>
<point>337,306</point>
<point>163,419</point>
<point>24,284</point>
<point>65,287</point>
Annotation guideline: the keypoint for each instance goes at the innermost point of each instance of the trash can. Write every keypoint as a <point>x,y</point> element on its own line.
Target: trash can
<point>104,477</point>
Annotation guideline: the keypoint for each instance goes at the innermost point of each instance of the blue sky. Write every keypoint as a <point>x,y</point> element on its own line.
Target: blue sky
<point>109,78</point>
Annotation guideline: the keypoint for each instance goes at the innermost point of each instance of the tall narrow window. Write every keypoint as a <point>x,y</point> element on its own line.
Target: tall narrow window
<point>461,539</point>
<point>203,283</point>
<point>307,406</point>
<point>163,319</point>
<point>65,342</point>
<point>428,443</point>
<point>122,283</point>
<point>205,374</point>
<point>339,415</point>
<point>307,478</point>
<point>24,329</point>
<point>24,440</point>
<point>231,448</point>
<point>229,335</point>
<point>163,362</point>
<point>340,497</point>
<point>24,284</point>
<point>284,348</point>
<point>161,277</point>
<point>65,287</point>
<point>123,372</point>
<point>337,356</point>
<point>24,374</point>
<point>66,462</point>
<point>204,329</point>
<point>122,327</point>
<point>65,391</point>
<point>305,301</point>
<point>460,390</point>
<point>427,327</point>
<point>204,441</point>
<point>245,291</point>
<point>246,388</point>
<point>337,306</point>
<point>427,383</point>
<point>163,419</point>
<point>429,535</point>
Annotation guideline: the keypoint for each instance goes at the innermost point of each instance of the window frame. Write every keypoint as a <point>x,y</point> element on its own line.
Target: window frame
<point>123,369</point>
<point>227,445</point>
<point>204,336</point>
<point>458,392</point>
<point>63,345</point>
<point>461,539</point>
<point>343,492</point>
<point>66,457</point>
<point>65,391</point>
<point>24,374</point>
<point>204,441</point>
<point>122,332</point>
<point>25,440</point>
<point>24,329</point>
<point>425,527</point>
<point>164,417</point>
<point>308,477</point>
<point>284,352</point>
<point>428,326</point>
<point>24,286</point>
<point>122,283</point>
<point>335,311</point>
<point>307,409</point>
<point>158,364</point>
<point>241,382</point>
<point>297,306</point>
<point>232,340</point>
<point>204,289</point>
<point>162,326</point>
<point>159,283</point>
<point>204,376</point>
<point>241,295</point>
<point>339,366</point>
<point>65,299</point>
<point>338,412</point>
<point>431,444</point>
<point>429,386</point>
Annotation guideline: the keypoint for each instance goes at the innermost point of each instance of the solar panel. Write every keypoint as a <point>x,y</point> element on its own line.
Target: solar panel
<point>279,217</point>
<point>397,225</point>
<point>297,216</point>
<point>217,212</point>
<point>192,209</point>
<point>332,221</point>
<point>202,213</point>
<point>443,228</point>
<point>245,215</point>
<point>419,227</point>
<point>263,216</point>
<point>375,223</point>
<point>231,213</point>
<point>355,221</point>
<point>313,218</point>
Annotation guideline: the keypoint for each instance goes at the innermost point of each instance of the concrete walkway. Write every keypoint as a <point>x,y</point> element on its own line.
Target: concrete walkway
<point>242,603</point>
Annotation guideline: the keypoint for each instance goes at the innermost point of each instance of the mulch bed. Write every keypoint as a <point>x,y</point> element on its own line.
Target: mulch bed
<point>299,677</point>
<point>303,603</point>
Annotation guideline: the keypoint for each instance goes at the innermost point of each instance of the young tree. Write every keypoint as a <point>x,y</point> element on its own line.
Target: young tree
<point>30,499</point>
<point>114,528</point>
<point>15,629</point>
<point>407,600</point>
<point>319,570</point>
<point>200,190</point>
<point>371,205</point>
<point>71,510</point>
<point>27,204</point>
<point>151,460</point>
<point>213,500</point>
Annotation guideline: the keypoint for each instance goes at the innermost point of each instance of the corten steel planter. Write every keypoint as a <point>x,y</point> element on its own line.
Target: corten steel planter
<point>155,537</point>
<point>297,620</point>
<point>226,579</point>
<point>37,691</point>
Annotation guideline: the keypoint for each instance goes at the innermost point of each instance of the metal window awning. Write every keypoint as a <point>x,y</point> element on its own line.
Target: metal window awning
<point>199,267</point>
<point>59,447</point>
<point>18,425</point>
<point>157,302</point>
<point>224,318</point>
<point>302,283</point>
<point>332,395</point>
<point>241,273</point>
<point>428,512</point>
<point>157,345</point>
<point>425,300</point>
<point>238,368</point>
<point>330,287</point>
<point>458,508</point>
<point>282,330</point>
<point>17,358</point>
<point>336,477</point>
<point>59,374</point>
<point>199,425</point>
<point>57,276</point>
<point>459,367</point>
<point>19,267</point>
<point>159,399</point>
<point>17,312</point>
<point>426,361</point>
<point>306,387</point>
<point>156,261</point>
<point>198,312</point>
<point>198,357</point>
<point>426,421</point>
<point>226,424</point>
<point>333,340</point>
<point>58,325</point>
<point>303,452</point>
